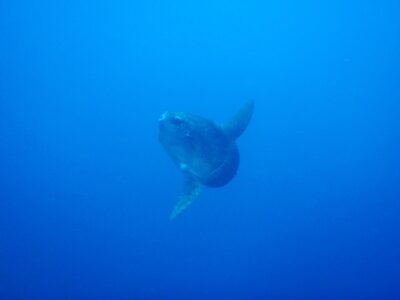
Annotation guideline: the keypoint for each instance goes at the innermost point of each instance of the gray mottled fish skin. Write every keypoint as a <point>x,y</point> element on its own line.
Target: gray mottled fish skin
<point>204,151</point>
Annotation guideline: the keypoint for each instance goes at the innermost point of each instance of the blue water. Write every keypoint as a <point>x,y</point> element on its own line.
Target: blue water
<point>86,189</point>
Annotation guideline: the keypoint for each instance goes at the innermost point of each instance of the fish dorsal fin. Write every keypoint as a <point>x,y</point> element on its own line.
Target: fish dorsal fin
<point>238,123</point>
<point>190,191</point>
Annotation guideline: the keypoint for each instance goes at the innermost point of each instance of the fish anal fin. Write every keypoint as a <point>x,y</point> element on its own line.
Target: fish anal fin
<point>190,192</point>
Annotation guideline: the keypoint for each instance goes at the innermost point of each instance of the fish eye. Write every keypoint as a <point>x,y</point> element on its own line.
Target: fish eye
<point>176,121</point>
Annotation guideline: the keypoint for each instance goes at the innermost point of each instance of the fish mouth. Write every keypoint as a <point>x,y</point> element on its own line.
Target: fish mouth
<point>163,116</point>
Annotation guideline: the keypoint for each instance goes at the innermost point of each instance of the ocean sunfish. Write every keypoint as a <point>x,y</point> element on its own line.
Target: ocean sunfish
<point>205,152</point>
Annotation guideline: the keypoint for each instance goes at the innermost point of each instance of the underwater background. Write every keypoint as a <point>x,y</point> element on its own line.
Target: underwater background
<point>86,188</point>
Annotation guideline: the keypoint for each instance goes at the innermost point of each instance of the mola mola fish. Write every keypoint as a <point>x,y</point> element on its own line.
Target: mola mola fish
<point>205,152</point>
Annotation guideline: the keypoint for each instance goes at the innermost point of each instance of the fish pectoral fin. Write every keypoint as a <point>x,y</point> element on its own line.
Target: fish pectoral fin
<point>190,191</point>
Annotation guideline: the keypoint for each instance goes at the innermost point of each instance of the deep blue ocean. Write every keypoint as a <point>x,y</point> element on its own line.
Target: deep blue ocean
<point>86,189</point>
